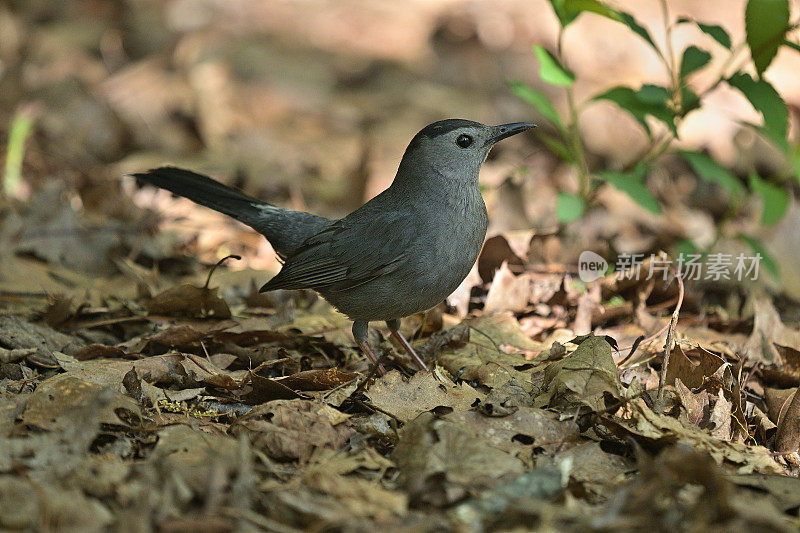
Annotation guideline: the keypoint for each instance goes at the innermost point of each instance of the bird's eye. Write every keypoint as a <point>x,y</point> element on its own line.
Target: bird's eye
<point>464,140</point>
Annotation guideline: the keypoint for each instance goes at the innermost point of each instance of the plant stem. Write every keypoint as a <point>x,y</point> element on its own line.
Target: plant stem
<point>575,142</point>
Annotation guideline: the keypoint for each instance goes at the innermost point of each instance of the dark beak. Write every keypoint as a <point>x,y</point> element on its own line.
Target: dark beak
<point>507,130</point>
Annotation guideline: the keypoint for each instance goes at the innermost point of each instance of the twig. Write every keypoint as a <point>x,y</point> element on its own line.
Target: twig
<point>669,345</point>
<point>789,452</point>
<point>639,340</point>
<point>218,263</point>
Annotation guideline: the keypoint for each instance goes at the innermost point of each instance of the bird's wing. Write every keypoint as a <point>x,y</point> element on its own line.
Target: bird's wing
<point>351,251</point>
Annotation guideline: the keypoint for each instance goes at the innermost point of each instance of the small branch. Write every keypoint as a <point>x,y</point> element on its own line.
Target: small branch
<point>669,345</point>
<point>218,263</point>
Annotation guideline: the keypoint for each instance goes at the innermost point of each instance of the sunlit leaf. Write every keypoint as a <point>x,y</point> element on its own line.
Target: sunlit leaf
<point>569,207</point>
<point>689,100</point>
<point>632,184</point>
<point>539,101</point>
<point>766,23</point>
<point>766,100</point>
<point>710,170</point>
<point>640,104</point>
<point>557,146</point>
<point>550,70</point>
<point>766,258</point>
<point>775,199</point>
<point>686,248</point>
<point>718,33</point>
<point>653,94</point>
<point>638,29</point>
<point>693,59</point>
<point>568,10</point>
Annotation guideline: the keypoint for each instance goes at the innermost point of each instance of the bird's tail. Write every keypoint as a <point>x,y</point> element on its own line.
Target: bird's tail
<point>284,228</point>
<point>205,191</point>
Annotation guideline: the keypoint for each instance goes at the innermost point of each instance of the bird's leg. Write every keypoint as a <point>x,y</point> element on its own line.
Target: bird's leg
<point>360,335</point>
<point>394,327</point>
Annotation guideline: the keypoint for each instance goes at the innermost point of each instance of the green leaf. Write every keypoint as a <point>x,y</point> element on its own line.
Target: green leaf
<point>689,100</point>
<point>766,100</point>
<point>568,10</point>
<point>539,101</point>
<point>557,146</point>
<point>776,199</point>
<point>717,33</point>
<point>550,70</point>
<point>693,59</point>
<point>710,170</point>
<point>769,262</point>
<point>569,207</point>
<point>653,94</point>
<point>641,103</point>
<point>21,128</point>
<point>765,23</point>
<point>632,183</point>
<point>686,248</point>
<point>638,29</point>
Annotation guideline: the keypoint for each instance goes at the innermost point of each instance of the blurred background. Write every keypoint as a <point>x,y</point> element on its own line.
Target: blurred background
<point>310,104</point>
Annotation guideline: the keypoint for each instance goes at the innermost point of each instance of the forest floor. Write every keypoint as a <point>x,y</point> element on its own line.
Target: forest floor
<point>142,387</point>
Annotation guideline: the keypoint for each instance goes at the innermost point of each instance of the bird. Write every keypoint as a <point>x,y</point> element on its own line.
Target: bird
<point>401,253</point>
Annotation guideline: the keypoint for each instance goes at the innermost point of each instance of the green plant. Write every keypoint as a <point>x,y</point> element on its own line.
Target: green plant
<point>21,129</point>
<point>766,24</point>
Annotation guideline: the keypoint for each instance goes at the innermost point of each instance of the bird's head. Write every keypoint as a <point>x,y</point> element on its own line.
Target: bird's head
<point>455,148</point>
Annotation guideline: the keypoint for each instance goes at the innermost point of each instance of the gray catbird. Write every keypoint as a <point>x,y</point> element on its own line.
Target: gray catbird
<point>401,253</point>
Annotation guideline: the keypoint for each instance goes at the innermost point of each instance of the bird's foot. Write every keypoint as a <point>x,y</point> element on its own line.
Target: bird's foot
<point>367,349</point>
<point>407,347</point>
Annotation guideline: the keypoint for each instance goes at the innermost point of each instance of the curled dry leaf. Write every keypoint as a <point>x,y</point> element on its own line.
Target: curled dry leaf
<point>587,377</point>
<point>508,292</point>
<point>496,251</point>
<point>189,301</point>
<point>788,435</point>
<point>649,427</point>
<point>164,370</point>
<point>768,330</point>
<point>96,351</point>
<point>713,374</point>
<point>778,401</point>
<point>694,403</point>
<point>317,380</point>
<point>720,419</point>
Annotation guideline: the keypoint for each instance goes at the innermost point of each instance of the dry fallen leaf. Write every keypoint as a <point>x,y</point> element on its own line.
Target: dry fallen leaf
<point>508,292</point>
<point>787,437</point>
<point>438,460</point>
<point>291,429</point>
<point>189,301</point>
<point>406,399</point>
<point>587,377</point>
